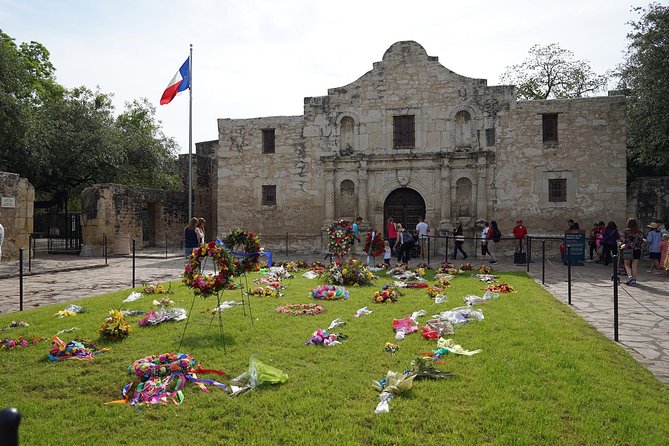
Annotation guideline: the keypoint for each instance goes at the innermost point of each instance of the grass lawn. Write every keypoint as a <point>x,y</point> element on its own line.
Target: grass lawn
<point>544,376</point>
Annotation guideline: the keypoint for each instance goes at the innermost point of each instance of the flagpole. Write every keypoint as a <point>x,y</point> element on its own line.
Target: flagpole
<point>190,135</point>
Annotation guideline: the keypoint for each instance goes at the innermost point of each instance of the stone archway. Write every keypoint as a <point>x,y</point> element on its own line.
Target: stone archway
<point>405,206</point>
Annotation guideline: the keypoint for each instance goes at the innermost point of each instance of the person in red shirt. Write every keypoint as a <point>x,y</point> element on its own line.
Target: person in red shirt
<point>392,234</point>
<point>520,232</point>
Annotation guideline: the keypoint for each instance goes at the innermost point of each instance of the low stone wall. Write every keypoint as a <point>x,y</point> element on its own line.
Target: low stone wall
<point>151,217</point>
<point>17,197</point>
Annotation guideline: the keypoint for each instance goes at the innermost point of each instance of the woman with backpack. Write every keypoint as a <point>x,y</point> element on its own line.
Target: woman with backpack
<point>494,235</point>
<point>610,242</point>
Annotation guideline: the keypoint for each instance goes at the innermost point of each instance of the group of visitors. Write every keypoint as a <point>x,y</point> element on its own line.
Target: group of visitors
<point>193,235</point>
<point>605,241</point>
<point>402,241</point>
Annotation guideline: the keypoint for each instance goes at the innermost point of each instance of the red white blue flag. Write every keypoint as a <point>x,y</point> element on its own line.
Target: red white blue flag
<point>179,83</point>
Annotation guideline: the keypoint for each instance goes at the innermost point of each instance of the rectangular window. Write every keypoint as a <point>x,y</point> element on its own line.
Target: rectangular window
<point>490,137</point>
<point>268,141</point>
<point>557,190</point>
<point>550,128</point>
<point>269,195</point>
<point>404,132</point>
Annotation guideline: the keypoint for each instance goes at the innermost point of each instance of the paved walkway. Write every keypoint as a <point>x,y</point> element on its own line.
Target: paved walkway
<point>643,308</point>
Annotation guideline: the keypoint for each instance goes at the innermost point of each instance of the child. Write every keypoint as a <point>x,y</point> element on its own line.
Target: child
<point>387,253</point>
<point>664,254</point>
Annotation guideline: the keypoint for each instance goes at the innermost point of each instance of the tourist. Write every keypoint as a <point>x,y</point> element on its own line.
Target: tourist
<point>519,233</point>
<point>632,244</point>
<point>493,236</point>
<point>356,235</point>
<point>664,253</point>
<point>458,233</point>
<point>484,240</point>
<point>199,230</point>
<point>407,242</point>
<point>423,230</point>
<point>190,237</point>
<point>392,234</point>
<point>654,238</point>
<point>371,236</point>
<point>592,240</point>
<point>2,238</point>
<point>387,252</point>
<point>609,242</point>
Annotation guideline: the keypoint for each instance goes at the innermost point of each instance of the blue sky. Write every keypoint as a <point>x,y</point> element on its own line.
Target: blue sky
<point>255,58</point>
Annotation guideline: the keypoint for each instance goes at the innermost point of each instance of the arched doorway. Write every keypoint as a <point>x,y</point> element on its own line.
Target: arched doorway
<point>405,206</point>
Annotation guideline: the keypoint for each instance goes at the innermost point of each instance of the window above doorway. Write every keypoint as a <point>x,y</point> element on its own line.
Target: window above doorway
<point>404,132</point>
<point>269,195</point>
<point>268,139</point>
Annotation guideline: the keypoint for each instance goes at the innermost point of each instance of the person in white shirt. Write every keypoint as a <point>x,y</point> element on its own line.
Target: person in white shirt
<point>2,238</point>
<point>423,230</point>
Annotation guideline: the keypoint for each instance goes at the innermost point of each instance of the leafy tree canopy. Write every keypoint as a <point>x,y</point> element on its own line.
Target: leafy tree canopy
<point>63,140</point>
<point>644,77</point>
<point>550,72</point>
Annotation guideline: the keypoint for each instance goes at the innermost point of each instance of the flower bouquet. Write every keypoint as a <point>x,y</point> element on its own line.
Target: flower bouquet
<point>349,272</point>
<point>387,294</point>
<point>115,326</point>
<point>329,292</point>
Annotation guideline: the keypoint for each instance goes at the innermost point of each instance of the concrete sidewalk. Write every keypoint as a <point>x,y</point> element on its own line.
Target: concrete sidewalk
<point>643,308</point>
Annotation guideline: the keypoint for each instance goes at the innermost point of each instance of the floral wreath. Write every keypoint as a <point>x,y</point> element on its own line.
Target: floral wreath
<point>329,292</point>
<point>248,243</point>
<point>161,365</point>
<point>374,247</point>
<point>210,283</point>
<point>301,309</point>
<point>340,236</point>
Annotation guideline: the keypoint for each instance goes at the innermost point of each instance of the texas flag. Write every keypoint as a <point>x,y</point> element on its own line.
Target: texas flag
<point>179,83</point>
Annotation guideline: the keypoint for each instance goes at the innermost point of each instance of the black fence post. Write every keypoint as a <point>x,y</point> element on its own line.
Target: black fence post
<point>30,244</point>
<point>286,244</point>
<point>20,279</point>
<point>165,245</point>
<point>569,274</point>
<point>428,250</point>
<point>446,255</point>
<point>527,255</point>
<point>10,418</point>
<point>615,297</point>
<point>543,262</point>
<point>133,263</point>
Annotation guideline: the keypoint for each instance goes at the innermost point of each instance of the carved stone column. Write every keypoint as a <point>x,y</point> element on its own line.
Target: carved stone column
<point>362,191</point>
<point>482,188</point>
<point>329,192</point>
<point>445,191</point>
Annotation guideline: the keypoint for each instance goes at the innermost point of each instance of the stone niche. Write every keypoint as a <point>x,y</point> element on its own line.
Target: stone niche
<point>151,217</point>
<point>16,213</point>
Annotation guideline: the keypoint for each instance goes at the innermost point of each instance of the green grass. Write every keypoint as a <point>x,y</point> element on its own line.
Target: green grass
<point>544,377</point>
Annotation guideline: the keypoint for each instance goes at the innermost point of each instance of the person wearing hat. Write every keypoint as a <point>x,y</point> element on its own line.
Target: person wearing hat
<point>519,233</point>
<point>654,238</point>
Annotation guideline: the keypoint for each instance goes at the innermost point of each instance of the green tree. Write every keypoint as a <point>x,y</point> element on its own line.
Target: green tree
<point>550,72</point>
<point>644,77</point>
<point>149,157</point>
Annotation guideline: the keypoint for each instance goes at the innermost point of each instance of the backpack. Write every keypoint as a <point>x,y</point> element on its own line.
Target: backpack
<point>496,235</point>
<point>407,237</point>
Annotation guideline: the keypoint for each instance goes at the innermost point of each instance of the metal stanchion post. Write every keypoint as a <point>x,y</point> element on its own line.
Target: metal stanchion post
<point>165,245</point>
<point>20,279</point>
<point>133,263</point>
<point>569,274</point>
<point>543,262</point>
<point>615,297</point>
<point>104,246</point>
<point>287,244</point>
<point>527,254</point>
<point>446,254</point>
<point>30,239</point>
<point>10,418</point>
<point>428,250</point>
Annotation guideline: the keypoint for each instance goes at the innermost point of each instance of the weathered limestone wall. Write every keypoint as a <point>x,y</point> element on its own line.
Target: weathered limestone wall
<point>477,154</point>
<point>648,200</point>
<point>16,213</point>
<point>590,155</point>
<point>150,216</point>
<point>294,169</point>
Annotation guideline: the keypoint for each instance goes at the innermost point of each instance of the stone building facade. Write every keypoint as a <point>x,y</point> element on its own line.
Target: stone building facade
<point>151,217</point>
<point>17,197</point>
<point>411,138</point>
